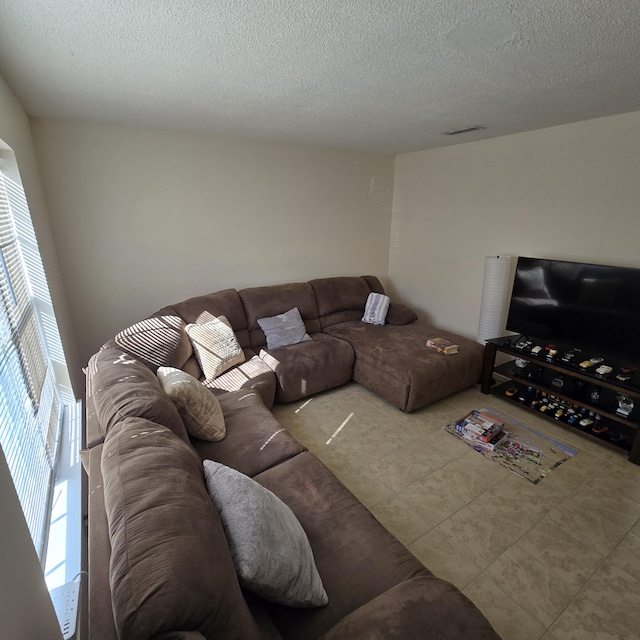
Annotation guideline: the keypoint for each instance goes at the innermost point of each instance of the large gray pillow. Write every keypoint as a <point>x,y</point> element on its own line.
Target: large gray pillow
<point>284,329</point>
<point>270,550</point>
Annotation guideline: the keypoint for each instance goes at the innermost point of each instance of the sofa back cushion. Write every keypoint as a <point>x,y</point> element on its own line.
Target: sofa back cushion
<point>119,387</point>
<point>269,301</point>
<point>158,341</point>
<point>343,298</point>
<point>222,303</point>
<point>374,283</point>
<point>170,567</point>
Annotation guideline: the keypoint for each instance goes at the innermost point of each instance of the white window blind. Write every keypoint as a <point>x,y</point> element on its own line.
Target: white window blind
<point>30,405</point>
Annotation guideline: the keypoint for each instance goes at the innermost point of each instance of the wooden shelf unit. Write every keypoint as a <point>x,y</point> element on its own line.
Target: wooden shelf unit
<point>577,384</point>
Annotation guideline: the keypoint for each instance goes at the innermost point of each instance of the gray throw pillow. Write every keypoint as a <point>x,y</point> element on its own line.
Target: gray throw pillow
<point>284,329</point>
<point>270,550</point>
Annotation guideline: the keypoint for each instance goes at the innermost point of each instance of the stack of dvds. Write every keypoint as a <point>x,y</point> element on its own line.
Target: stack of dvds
<point>482,429</point>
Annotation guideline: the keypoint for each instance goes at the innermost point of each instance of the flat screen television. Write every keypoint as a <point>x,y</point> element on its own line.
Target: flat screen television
<point>590,306</point>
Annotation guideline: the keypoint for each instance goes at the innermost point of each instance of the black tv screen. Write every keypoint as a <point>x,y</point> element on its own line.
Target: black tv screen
<point>590,306</point>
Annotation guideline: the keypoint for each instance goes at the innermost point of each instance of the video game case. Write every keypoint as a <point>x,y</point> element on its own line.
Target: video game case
<point>496,441</point>
<point>482,424</point>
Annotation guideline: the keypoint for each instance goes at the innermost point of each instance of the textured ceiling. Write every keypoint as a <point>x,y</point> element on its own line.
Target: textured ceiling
<point>362,74</point>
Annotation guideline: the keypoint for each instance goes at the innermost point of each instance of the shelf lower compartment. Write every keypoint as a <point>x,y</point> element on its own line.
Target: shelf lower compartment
<point>614,427</point>
<point>570,392</point>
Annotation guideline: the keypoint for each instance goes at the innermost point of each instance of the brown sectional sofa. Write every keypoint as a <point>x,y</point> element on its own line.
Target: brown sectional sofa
<point>391,360</point>
<point>159,563</point>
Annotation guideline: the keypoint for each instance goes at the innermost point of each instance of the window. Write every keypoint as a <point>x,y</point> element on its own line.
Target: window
<point>31,405</point>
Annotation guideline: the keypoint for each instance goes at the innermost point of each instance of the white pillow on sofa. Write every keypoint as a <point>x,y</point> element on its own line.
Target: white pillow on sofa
<point>215,345</point>
<point>269,547</point>
<point>375,311</point>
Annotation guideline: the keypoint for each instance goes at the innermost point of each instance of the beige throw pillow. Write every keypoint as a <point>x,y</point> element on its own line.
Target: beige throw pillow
<point>216,346</point>
<point>199,408</point>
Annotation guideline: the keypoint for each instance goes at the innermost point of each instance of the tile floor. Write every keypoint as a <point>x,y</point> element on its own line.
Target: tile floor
<point>555,561</point>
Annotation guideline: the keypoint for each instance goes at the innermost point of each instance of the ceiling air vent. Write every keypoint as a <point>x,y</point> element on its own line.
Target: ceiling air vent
<point>455,132</point>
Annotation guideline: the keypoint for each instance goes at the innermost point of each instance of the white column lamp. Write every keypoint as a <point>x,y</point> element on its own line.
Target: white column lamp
<point>495,297</point>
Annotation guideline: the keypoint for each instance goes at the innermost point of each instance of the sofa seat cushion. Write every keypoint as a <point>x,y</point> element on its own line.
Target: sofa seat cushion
<point>309,367</point>
<point>422,607</point>
<point>170,565</point>
<point>255,441</point>
<point>395,363</point>
<point>357,558</point>
<point>120,387</point>
<point>253,373</point>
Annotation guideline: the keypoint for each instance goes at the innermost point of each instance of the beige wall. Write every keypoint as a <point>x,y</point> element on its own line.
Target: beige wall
<point>569,192</point>
<point>145,217</point>
<point>26,611</point>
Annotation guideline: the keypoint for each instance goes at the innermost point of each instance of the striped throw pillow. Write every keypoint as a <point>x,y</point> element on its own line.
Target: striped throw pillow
<point>375,311</point>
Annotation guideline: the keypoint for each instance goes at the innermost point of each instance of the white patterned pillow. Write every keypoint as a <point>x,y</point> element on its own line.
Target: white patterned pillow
<point>215,346</point>
<point>375,311</point>
<point>199,408</point>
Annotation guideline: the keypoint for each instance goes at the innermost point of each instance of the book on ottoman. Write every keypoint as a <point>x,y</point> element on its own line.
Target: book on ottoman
<point>442,345</point>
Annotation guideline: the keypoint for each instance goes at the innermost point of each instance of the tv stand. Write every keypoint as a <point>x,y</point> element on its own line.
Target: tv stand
<point>569,394</point>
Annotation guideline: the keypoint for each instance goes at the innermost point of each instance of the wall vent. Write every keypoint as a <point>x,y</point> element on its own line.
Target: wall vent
<point>455,132</point>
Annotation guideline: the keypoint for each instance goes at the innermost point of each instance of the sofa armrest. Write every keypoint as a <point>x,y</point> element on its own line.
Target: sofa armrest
<point>419,608</point>
<point>400,314</point>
